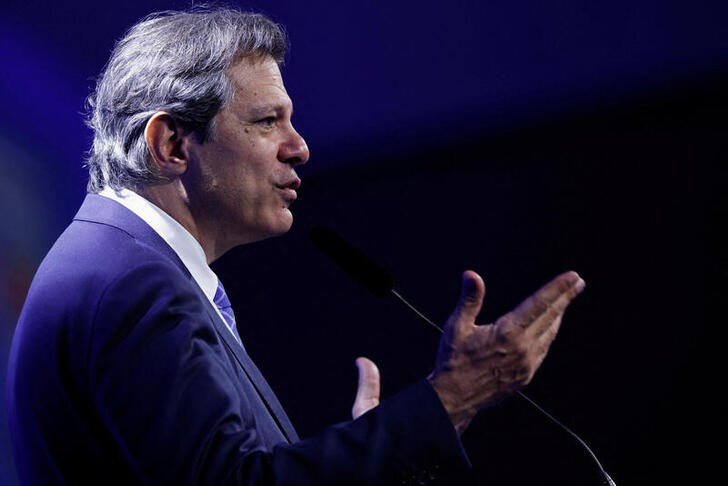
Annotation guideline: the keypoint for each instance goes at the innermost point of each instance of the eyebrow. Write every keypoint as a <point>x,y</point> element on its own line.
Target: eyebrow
<point>266,109</point>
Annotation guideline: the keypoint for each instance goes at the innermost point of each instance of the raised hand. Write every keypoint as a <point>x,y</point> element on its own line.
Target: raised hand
<point>478,364</point>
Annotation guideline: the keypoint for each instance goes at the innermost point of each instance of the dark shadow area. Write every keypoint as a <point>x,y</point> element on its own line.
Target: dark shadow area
<point>631,195</point>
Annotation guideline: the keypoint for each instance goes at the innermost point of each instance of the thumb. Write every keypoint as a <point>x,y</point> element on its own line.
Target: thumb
<point>367,392</point>
<point>470,301</point>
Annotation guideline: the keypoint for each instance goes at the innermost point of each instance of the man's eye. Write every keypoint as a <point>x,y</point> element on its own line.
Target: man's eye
<point>268,121</point>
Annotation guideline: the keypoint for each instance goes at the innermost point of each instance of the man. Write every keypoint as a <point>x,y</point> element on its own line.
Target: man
<point>126,364</point>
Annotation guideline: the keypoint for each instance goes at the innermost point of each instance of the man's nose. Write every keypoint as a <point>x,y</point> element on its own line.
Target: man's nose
<point>295,150</point>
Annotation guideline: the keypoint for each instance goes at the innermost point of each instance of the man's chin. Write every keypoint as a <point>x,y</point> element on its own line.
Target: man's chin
<point>285,222</point>
<point>278,227</point>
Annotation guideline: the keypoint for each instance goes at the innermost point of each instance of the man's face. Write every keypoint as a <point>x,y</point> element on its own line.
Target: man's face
<point>241,181</point>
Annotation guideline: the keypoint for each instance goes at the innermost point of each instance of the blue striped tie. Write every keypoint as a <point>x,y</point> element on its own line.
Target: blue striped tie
<point>223,304</point>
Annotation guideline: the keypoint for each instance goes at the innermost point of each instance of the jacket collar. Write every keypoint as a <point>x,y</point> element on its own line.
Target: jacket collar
<point>102,210</point>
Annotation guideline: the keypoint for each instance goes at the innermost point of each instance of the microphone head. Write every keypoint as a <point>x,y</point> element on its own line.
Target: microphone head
<point>352,261</point>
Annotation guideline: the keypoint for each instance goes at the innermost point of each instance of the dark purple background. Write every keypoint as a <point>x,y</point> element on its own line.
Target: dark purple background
<point>519,139</point>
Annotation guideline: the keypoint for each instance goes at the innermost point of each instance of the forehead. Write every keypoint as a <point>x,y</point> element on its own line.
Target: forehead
<point>257,81</point>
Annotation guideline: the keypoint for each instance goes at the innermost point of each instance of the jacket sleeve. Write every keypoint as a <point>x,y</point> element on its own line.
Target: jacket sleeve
<point>164,390</point>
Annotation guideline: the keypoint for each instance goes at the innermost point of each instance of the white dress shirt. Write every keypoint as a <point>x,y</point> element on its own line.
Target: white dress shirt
<point>177,237</point>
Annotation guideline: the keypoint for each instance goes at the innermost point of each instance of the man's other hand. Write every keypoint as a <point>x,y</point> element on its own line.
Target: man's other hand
<point>367,393</point>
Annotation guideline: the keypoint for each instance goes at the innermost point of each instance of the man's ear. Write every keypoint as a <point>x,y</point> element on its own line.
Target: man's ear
<point>167,143</point>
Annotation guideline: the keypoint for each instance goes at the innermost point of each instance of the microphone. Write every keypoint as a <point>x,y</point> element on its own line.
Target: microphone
<point>362,269</point>
<point>352,261</point>
<point>359,266</point>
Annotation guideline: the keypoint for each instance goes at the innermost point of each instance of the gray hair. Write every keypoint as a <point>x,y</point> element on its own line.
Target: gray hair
<point>175,62</point>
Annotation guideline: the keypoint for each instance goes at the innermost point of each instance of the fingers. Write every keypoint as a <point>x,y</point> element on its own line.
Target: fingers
<point>477,366</point>
<point>472,292</point>
<point>542,310</point>
<point>367,393</point>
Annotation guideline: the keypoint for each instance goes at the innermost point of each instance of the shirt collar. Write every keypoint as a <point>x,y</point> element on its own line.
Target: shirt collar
<point>174,234</point>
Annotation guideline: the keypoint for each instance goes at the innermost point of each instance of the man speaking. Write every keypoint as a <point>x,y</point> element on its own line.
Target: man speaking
<point>127,367</point>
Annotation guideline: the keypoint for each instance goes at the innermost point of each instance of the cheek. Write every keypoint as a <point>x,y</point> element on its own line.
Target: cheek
<point>254,170</point>
<point>252,189</point>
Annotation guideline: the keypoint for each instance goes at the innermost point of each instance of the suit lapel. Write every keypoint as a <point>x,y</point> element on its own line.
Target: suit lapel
<point>99,209</point>
<point>255,376</point>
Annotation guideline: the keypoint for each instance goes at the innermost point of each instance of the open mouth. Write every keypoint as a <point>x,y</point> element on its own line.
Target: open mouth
<point>288,189</point>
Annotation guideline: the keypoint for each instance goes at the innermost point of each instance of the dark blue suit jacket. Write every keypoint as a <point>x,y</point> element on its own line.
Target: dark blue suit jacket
<point>122,372</point>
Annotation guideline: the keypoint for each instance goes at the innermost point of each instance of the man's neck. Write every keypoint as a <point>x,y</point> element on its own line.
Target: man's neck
<point>172,199</point>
